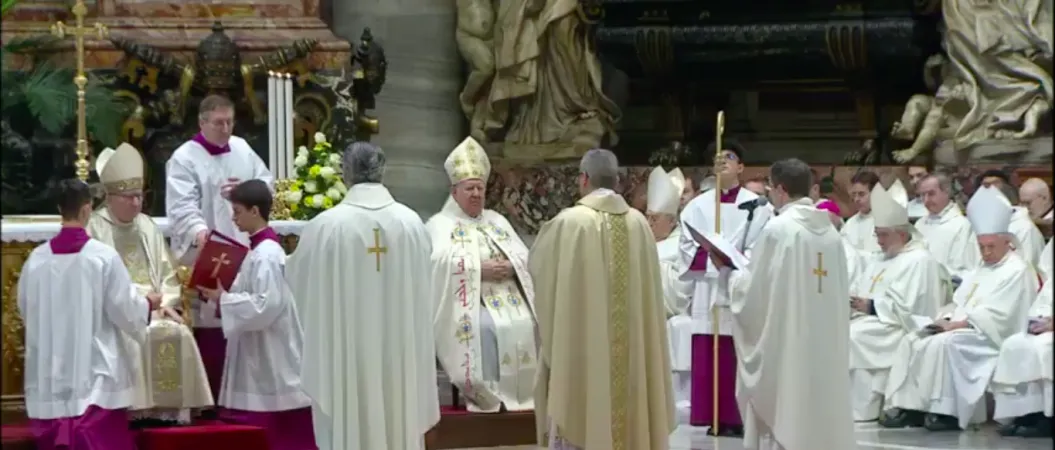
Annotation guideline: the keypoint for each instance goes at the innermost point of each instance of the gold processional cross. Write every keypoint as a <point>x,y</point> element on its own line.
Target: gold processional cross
<point>377,249</point>
<point>220,261</point>
<point>819,271</point>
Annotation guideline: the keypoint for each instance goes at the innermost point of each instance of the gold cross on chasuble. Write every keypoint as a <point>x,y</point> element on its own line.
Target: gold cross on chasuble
<point>819,271</point>
<point>377,249</point>
<point>876,279</point>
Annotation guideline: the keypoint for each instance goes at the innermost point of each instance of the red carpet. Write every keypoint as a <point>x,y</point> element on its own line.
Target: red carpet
<point>204,435</point>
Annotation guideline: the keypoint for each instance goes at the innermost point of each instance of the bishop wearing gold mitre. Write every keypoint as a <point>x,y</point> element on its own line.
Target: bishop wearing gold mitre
<point>485,322</point>
<point>170,378</point>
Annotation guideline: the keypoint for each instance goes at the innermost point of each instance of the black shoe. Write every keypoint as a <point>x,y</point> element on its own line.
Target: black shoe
<point>901,418</point>
<point>941,422</point>
<point>726,431</point>
<point>1040,428</point>
<point>1009,429</point>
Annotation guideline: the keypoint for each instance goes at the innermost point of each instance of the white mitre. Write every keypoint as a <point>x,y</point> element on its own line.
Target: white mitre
<point>678,178</point>
<point>120,170</point>
<point>887,211</point>
<point>989,212</point>
<point>467,161</point>
<point>663,195</point>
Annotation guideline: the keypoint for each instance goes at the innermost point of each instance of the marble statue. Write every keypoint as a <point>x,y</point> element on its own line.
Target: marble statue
<point>535,80</point>
<point>996,79</point>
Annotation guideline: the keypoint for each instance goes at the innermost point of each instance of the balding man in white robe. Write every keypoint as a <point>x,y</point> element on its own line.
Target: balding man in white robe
<point>947,232</point>
<point>1029,242</point>
<point>940,382</point>
<point>904,281</point>
<point>1022,383</point>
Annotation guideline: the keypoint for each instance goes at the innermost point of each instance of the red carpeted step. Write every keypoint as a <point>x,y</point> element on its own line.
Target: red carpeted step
<point>204,435</point>
<point>16,437</point>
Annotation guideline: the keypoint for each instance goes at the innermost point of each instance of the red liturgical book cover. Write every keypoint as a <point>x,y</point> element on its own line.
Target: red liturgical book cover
<point>218,261</point>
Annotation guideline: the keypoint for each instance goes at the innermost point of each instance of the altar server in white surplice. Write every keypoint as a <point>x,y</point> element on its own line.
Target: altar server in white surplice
<point>795,272</point>
<point>663,199</point>
<point>1022,383</point>
<point>485,320</point>
<point>360,277</point>
<point>199,177</point>
<point>860,228</point>
<point>77,300</point>
<point>941,380</point>
<point>1029,242</point>
<point>903,282</point>
<point>170,376</point>
<point>948,233</point>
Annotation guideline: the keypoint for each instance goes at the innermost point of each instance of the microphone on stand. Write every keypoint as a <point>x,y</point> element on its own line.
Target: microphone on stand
<point>751,205</point>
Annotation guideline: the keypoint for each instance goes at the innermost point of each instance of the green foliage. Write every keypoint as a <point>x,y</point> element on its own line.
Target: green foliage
<point>7,5</point>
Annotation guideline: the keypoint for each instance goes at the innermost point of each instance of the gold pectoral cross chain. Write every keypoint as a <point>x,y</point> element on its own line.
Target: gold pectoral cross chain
<point>876,279</point>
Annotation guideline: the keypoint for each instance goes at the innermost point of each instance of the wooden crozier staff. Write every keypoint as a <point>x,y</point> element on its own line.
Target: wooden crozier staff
<point>719,130</point>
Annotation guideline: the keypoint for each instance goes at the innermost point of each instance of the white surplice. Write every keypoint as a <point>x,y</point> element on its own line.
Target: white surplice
<point>170,376</point>
<point>860,231</point>
<point>911,283</point>
<point>951,240</point>
<point>1029,242</point>
<point>1047,260</point>
<point>1022,382</point>
<point>360,277</point>
<point>486,334</point>
<point>791,333</point>
<point>75,352</point>
<point>948,373</point>
<point>264,338</point>
<point>856,261</point>
<point>677,294</point>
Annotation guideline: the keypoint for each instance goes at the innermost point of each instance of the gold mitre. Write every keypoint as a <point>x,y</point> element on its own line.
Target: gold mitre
<point>468,161</point>
<point>120,170</point>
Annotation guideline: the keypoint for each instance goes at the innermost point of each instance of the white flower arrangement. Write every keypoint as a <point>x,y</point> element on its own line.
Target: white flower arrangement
<point>318,185</point>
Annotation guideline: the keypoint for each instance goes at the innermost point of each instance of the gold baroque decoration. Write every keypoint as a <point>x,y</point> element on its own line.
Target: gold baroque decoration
<point>14,256</point>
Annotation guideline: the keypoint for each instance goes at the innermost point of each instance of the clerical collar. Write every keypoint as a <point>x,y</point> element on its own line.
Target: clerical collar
<point>729,196</point>
<point>70,240</point>
<point>944,211</point>
<point>213,149</point>
<point>264,234</point>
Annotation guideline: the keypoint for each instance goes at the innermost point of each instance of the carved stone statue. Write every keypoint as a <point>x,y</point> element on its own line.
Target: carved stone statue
<point>999,66</point>
<point>535,80</point>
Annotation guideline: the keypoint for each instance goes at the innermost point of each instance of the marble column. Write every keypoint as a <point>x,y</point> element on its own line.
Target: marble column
<point>418,109</point>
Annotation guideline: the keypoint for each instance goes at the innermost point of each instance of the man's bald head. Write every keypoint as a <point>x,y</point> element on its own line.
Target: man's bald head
<point>1035,195</point>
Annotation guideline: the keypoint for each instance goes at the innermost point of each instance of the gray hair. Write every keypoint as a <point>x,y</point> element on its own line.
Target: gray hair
<point>944,181</point>
<point>601,168</point>
<point>363,163</point>
<point>1010,192</point>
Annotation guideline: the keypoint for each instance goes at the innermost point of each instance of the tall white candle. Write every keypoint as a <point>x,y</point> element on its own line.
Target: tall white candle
<point>272,121</point>
<point>280,125</point>
<point>290,134</point>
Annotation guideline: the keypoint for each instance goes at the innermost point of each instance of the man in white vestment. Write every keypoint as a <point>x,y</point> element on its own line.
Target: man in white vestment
<point>795,271</point>
<point>856,262</point>
<point>1029,242</point>
<point>485,320</point>
<point>941,378</point>
<point>948,233</point>
<point>916,206</point>
<point>78,302</point>
<point>1047,261</point>
<point>199,176</point>
<point>170,377</point>
<point>742,218</point>
<point>905,281</point>
<point>1035,195</point>
<point>1022,382</point>
<point>360,277</point>
<point>860,228</point>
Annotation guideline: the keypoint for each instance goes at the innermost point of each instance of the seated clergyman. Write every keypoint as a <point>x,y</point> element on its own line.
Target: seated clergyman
<point>485,319</point>
<point>904,281</point>
<point>170,378</point>
<point>1022,383</point>
<point>941,383</point>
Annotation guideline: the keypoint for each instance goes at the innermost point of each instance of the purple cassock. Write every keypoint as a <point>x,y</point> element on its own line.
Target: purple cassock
<point>213,348</point>
<point>286,430</point>
<point>97,428</point>
<point>701,390</point>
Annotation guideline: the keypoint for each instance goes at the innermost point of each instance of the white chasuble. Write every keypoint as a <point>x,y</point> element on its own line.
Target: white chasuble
<point>791,334</point>
<point>677,293</point>
<point>1029,242</point>
<point>360,280</point>
<point>170,376</point>
<point>860,231</point>
<point>1022,382</point>
<point>951,240</point>
<point>1047,260</point>
<point>193,201</point>
<point>485,330</point>
<point>911,283</point>
<point>947,373</point>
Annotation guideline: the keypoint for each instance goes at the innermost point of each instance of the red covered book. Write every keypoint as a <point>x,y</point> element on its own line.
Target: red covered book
<point>218,262</point>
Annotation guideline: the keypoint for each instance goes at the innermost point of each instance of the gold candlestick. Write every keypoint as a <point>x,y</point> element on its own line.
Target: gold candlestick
<point>59,29</point>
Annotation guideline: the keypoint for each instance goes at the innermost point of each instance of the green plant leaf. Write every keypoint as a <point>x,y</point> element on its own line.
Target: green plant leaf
<point>105,113</point>
<point>51,97</point>
<point>6,6</point>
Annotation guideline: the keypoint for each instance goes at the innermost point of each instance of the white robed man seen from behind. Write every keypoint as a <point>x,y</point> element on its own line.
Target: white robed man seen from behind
<point>1022,382</point>
<point>360,279</point>
<point>791,330</point>
<point>940,381</point>
<point>485,320</point>
<point>604,373</point>
<point>163,394</point>
<point>199,177</point>
<point>948,233</point>
<point>903,282</point>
